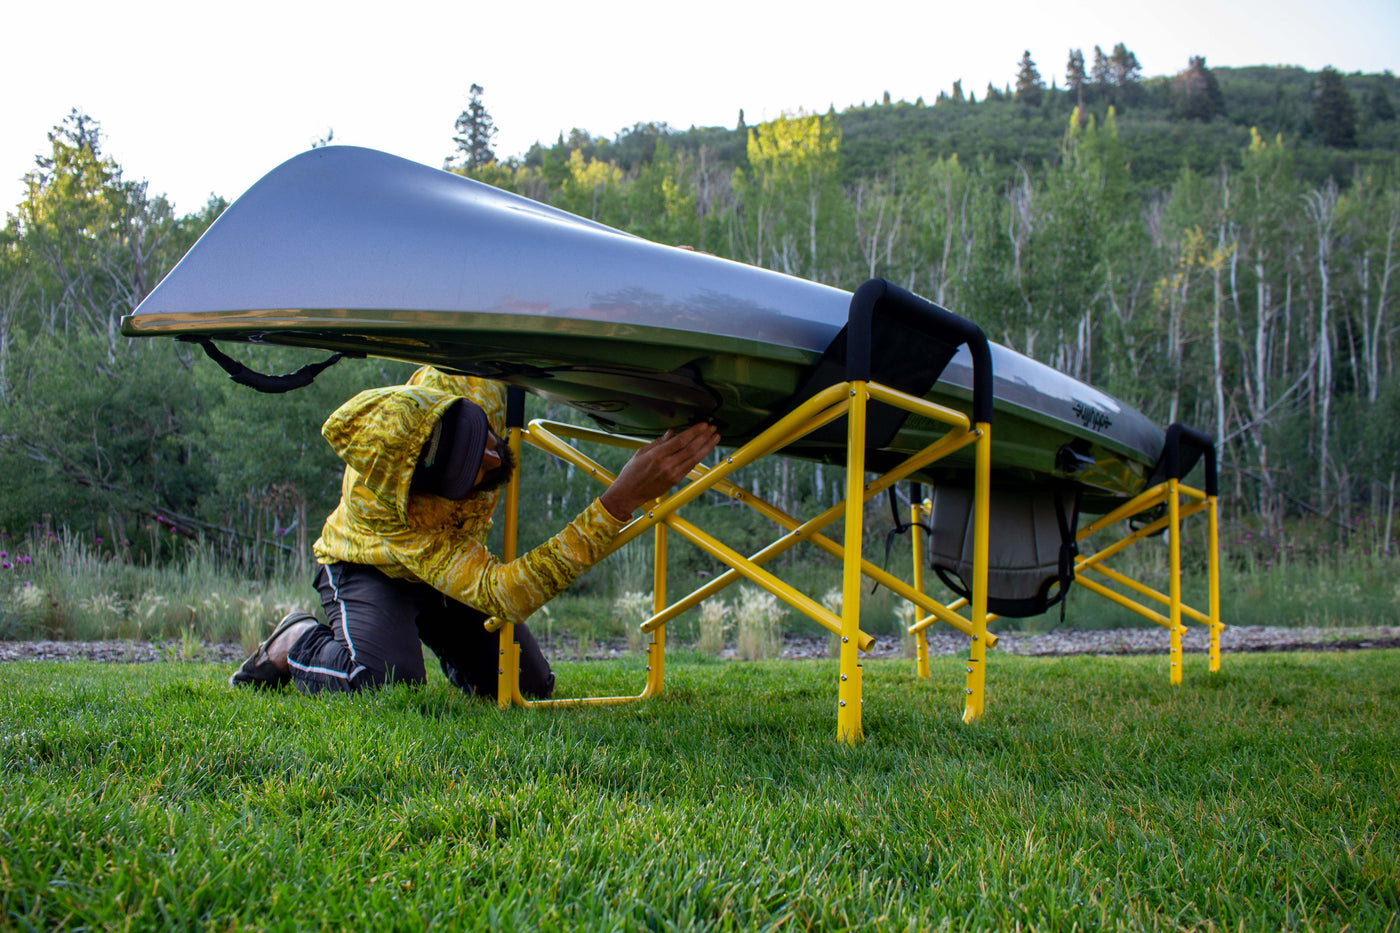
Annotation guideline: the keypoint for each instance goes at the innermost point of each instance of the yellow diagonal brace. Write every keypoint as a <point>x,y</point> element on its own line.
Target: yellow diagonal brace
<point>1139,503</point>
<point>1141,588</point>
<point>757,575</point>
<point>807,531</point>
<point>1115,597</point>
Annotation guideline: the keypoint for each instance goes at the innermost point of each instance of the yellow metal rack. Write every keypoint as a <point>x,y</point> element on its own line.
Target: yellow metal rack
<point>850,398</point>
<point>1162,505</point>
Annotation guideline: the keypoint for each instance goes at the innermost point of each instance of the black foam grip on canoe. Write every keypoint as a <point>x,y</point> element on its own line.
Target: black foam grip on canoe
<point>1177,463</point>
<point>262,382</point>
<point>897,305</point>
<point>515,407</point>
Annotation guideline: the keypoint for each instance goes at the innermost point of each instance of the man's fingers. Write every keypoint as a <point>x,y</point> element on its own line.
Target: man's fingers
<point>692,446</point>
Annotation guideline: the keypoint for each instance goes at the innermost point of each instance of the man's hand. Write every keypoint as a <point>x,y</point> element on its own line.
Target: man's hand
<point>658,466</point>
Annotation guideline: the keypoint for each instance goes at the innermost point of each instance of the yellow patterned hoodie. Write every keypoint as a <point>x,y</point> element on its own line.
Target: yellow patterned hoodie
<point>412,535</point>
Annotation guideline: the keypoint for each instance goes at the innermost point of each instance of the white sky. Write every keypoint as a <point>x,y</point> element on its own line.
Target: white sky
<point>204,98</point>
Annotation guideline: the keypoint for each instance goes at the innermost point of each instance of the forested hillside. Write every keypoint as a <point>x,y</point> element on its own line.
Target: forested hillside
<point>1215,247</point>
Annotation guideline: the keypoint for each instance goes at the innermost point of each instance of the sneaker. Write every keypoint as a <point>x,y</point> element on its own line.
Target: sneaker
<point>259,670</point>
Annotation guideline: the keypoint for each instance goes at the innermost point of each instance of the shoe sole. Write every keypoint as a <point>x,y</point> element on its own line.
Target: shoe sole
<point>258,670</point>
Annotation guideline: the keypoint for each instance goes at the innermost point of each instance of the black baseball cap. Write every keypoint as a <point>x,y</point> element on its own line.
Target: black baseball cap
<point>451,456</point>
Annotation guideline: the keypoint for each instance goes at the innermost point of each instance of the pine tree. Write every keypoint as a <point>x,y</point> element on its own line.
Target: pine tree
<point>1334,111</point>
<point>1029,87</point>
<point>1196,93</point>
<point>1126,70</point>
<point>1101,75</point>
<point>476,131</point>
<point>1378,105</point>
<point>1075,78</point>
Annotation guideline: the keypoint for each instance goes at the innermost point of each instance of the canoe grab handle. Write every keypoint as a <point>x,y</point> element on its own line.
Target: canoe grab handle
<point>920,314</point>
<point>264,382</point>
<point>1176,465</point>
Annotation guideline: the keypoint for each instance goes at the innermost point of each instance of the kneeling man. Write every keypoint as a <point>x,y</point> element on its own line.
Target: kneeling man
<point>403,559</point>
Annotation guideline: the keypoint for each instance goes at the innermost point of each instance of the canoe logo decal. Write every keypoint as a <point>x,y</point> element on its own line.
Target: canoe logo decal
<point>1093,418</point>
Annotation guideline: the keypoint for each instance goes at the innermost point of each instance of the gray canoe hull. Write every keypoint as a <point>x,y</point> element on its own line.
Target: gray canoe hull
<point>351,249</point>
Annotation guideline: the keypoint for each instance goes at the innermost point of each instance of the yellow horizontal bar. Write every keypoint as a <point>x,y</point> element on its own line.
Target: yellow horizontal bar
<point>586,701</point>
<point>1193,508</point>
<point>918,406</point>
<point>592,435</point>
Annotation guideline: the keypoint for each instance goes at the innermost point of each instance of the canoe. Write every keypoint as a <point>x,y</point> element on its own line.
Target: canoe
<point>351,249</point>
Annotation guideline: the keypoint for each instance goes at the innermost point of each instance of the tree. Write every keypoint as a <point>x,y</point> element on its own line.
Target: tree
<point>791,198</point>
<point>100,242</point>
<point>1029,86</point>
<point>1334,112</point>
<point>1075,78</point>
<point>476,131</point>
<point>1126,70</point>
<point>1102,73</point>
<point>1378,105</point>
<point>1195,92</point>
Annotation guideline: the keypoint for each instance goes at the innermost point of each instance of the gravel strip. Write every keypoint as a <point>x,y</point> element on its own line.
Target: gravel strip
<point>1050,644</point>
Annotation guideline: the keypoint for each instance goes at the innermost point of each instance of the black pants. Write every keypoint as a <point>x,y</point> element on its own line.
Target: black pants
<point>379,625</point>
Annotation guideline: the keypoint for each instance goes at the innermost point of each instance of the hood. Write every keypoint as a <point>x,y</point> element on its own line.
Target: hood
<point>380,433</point>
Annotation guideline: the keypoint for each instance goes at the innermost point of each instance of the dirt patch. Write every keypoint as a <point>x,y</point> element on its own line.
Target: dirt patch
<point>1247,638</point>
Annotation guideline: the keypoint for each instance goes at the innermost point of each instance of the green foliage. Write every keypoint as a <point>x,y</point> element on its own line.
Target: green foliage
<point>98,435</point>
<point>1092,796</point>
<point>791,196</point>
<point>61,585</point>
<point>1172,263</point>
<point>1334,111</point>
<point>1378,105</point>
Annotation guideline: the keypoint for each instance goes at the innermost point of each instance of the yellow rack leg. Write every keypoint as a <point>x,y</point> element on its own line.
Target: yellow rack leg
<point>508,655</point>
<point>848,716</point>
<point>1174,532</point>
<point>1213,542</point>
<point>916,517</point>
<point>981,506</point>
<point>656,651</point>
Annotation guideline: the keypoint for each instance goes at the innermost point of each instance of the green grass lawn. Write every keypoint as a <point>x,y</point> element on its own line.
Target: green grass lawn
<point>1093,795</point>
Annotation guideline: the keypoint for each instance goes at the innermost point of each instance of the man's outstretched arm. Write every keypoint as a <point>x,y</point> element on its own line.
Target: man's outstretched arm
<point>461,567</point>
